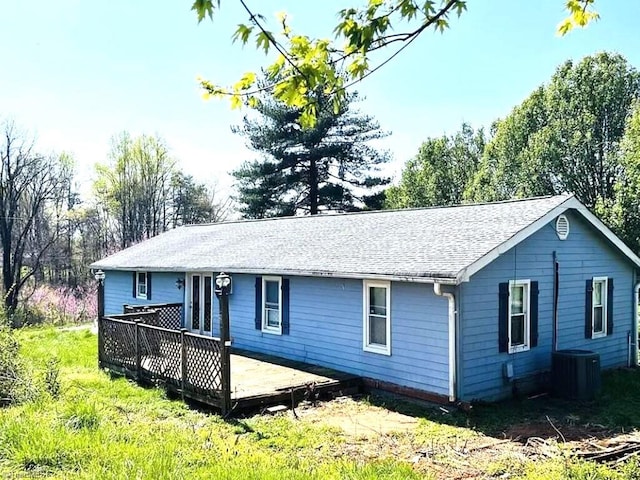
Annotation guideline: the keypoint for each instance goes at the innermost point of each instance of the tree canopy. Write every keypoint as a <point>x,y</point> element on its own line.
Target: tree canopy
<point>565,137</point>
<point>578,133</point>
<point>622,212</point>
<point>441,171</point>
<point>303,64</point>
<point>330,166</point>
<point>143,193</point>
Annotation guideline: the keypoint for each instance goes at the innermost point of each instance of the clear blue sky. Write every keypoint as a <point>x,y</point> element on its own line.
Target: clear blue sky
<point>74,73</point>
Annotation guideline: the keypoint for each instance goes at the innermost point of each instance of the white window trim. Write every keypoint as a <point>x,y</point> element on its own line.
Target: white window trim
<point>527,320</point>
<point>605,307</point>
<point>265,327</point>
<point>142,296</point>
<point>366,346</point>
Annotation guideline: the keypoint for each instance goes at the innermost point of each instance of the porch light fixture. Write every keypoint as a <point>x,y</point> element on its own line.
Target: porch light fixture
<point>99,276</point>
<point>179,283</point>
<point>223,284</point>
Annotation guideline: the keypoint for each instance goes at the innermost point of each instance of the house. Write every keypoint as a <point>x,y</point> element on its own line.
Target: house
<point>455,303</point>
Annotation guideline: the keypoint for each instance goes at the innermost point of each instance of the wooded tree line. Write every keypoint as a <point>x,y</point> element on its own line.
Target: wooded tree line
<point>49,234</point>
<point>578,133</point>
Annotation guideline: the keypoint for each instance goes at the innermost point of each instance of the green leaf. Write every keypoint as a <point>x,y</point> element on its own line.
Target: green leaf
<point>461,7</point>
<point>204,8</point>
<point>242,33</point>
<point>564,27</point>
<point>236,102</point>
<point>263,41</point>
<point>245,83</point>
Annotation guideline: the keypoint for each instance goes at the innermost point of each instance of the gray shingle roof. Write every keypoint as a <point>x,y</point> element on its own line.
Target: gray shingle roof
<point>432,243</point>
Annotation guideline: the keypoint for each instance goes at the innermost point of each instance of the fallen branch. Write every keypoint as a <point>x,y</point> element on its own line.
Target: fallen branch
<point>613,453</point>
<point>554,427</point>
<point>490,445</point>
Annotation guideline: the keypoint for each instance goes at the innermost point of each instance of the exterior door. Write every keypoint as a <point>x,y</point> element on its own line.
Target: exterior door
<point>200,302</point>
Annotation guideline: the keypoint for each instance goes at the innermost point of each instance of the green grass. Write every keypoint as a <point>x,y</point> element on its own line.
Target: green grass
<point>108,428</point>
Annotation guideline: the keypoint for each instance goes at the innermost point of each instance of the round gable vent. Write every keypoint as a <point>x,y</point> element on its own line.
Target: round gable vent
<point>562,227</point>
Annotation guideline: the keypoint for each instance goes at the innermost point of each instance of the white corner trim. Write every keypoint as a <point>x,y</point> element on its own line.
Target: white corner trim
<point>526,232</point>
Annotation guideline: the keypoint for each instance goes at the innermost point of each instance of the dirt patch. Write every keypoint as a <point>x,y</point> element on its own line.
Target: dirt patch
<point>369,431</point>
<point>372,432</point>
<point>565,432</point>
<point>357,419</point>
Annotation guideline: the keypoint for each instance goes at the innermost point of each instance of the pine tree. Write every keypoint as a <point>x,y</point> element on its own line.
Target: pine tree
<point>331,166</point>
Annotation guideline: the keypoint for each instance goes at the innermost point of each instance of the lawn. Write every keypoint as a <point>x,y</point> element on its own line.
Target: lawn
<point>109,428</point>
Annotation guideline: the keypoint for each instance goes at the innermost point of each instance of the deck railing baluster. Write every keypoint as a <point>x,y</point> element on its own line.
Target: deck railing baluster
<point>136,337</point>
<point>183,362</point>
<point>177,359</point>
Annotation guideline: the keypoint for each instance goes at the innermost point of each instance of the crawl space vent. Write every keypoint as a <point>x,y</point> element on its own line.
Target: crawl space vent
<point>562,227</point>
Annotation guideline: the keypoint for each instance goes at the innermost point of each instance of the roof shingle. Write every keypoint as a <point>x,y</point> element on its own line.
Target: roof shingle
<point>435,243</point>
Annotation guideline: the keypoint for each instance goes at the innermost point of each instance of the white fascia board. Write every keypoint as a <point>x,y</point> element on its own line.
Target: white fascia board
<point>299,273</point>
<point>596,222</point>
<point>570,203</point>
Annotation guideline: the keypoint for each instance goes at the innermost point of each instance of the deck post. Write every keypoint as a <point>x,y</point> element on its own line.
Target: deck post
<point>183,362</point>
<point>136,339</point>
<point>223,284</point>
<point>100,276</point>
<point>225,354</point>
<point>100,342</point>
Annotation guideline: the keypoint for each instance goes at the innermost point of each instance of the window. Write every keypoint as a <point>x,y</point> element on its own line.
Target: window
<point>519,315</point>
<point>272,305</point>
<point>141,285</point>
<point>377,318</point>
<point>599,307</point>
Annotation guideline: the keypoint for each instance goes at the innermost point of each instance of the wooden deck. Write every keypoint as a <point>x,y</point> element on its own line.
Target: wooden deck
<point>204,369</point>
<point>260,380</point>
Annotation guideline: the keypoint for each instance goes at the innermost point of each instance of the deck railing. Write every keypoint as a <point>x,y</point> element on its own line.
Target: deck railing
<point>189,364</point>
<point>169,315</point>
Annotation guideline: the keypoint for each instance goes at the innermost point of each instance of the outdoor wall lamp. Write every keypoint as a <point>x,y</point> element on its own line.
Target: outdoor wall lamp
<point>223,284</point>
<point>179,283</point>
<point>99,276</point>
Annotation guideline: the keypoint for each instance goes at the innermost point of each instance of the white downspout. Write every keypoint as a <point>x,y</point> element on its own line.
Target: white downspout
<point>437,289</point>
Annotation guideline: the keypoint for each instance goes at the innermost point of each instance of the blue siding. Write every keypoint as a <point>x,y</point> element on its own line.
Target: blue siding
<point>326,326</point>
<point>583,255</point>
<point>118,290</point>
<point>326,329</point>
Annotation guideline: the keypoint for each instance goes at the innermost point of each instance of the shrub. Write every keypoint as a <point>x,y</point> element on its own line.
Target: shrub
<point>60,305</point>
<point>15,382</point>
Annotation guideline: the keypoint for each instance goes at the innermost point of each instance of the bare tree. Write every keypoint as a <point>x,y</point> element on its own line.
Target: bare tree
<point>222,205</point>
<point>30,184</point>
<point>136,186</point>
